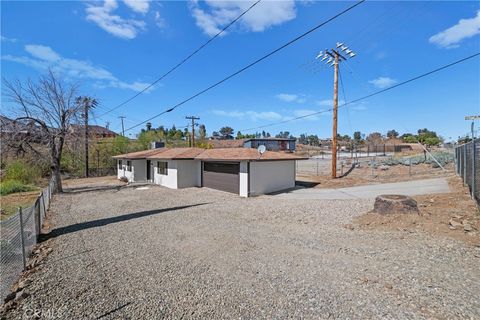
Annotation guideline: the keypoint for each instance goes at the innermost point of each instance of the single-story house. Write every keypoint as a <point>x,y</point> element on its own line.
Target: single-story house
<point>271,144</point>
<point>243,171</point>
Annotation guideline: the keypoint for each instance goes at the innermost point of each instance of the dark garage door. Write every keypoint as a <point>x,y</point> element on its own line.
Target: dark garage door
<point>222,176</point>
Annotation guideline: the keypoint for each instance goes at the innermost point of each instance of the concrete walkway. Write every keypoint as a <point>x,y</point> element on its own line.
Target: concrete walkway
<point>410,188</point>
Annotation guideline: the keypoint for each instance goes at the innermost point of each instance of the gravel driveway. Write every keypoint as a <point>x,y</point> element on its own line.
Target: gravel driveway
<point>200,253</point>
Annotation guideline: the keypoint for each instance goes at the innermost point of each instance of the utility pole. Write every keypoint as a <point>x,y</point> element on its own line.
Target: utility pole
<point>123,129</point>
<point>334,58</point>
<point>193,118</point>
<point>87,103</point>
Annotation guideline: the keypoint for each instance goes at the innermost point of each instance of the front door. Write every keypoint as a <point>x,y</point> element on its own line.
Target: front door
<point>149,170</point>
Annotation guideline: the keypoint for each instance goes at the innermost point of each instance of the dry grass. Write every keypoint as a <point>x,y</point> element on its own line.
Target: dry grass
<point>436,212</point>
<point>10,203</point>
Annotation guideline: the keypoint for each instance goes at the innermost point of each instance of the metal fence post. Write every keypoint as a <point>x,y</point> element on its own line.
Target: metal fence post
<point>473,169</point>
<point>465,164</point>
<point>23,238</point>
<point>38,227</point>
<point>410,166</point>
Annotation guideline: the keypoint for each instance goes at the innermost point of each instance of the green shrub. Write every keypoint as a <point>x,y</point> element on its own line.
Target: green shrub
<point>13,186</point>
<point>22,172</point>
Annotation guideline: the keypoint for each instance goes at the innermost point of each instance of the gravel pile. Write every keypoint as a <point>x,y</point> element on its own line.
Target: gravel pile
<point>199,253</point>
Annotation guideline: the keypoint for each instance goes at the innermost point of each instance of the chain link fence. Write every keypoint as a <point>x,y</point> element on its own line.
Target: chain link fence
<point>18,236</point>
<point>467,166</point>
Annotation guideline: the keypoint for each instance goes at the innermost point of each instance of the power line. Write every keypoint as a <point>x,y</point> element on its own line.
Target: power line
<point>370,95</point>
<point>183,61</point>
<point>249,65</point>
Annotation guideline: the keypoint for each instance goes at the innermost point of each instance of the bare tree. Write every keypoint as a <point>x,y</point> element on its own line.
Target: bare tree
<point>49,104</point>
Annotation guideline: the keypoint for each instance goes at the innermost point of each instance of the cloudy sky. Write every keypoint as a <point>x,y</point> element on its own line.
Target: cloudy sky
<point>114,49</point>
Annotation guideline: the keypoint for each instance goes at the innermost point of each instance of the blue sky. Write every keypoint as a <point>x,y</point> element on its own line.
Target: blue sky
<point>116,48</point>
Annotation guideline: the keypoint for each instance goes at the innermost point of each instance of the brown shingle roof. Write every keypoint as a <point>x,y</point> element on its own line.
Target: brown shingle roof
<point>177,153</point>
<point>222,154</point>
<point>138,154</point>
<point>238,154</point>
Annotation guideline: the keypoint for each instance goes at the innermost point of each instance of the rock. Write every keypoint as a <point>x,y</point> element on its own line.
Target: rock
<point>9,297</point>
<point>467,227</point>
<point>349,227</point>
<point>383,167</point>
<point>455,224</point>
<point>21,295</point>
<point>393,203</point>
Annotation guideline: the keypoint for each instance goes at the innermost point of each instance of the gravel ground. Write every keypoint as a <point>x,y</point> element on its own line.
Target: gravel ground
<point>200,253</point>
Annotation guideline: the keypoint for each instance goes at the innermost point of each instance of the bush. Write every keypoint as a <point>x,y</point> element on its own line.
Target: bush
<point>22,172</point>
<point>13,186</point>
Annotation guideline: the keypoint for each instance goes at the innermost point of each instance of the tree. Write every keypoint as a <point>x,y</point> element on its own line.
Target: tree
<point>357,136</point>
<point>392,134</point>
<point>239,135</point>
<point>148,125</point>
<point>375,138</point>
<point>50,103</point>
<point>202,132</point>
<point>283,135</point>
<point>302,139</point>
<point>226,132</point>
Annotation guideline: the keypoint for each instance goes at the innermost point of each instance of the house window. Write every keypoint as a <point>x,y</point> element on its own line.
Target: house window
<point>120,164</point>
<point>162,168</point>
<point>129,165</point>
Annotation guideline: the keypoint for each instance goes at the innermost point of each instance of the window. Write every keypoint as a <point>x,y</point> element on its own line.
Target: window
<point>120,164</point>
<point>162,168</point>
<point>129,165</point>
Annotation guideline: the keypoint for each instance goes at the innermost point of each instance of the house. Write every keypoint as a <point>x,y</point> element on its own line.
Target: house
<point>243,171</point>
<point>272,144</point>
<point>94,131</point>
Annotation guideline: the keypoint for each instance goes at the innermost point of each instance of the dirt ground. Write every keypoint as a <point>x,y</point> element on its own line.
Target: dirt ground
<point>91,182</point>
<point>453,215</point>
<point>363,175</point>
<point>10,203</point>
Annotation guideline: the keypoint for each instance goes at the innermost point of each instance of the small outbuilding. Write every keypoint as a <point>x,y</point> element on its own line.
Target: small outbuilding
<point>243,171</point>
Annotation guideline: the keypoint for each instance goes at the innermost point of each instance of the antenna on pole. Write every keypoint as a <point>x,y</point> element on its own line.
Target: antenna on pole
<point>335,56</point>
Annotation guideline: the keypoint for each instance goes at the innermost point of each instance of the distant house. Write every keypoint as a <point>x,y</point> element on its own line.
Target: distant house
<point>243,171</point>
<point>94,131</point>
<point>271,144</point>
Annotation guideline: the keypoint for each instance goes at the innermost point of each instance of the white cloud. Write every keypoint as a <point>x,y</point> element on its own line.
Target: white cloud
<point>42,52</point>
<point>290,97</point>
<point>113,24</point>
<point>383,82</point>
<point>328,103</point>
<point>252,115</point>
<point>44,57</point>
<point>159,21</point>
<point>451,37</point>
<point>217,14</point>
<point>5,39</point>
<point>140,6</point>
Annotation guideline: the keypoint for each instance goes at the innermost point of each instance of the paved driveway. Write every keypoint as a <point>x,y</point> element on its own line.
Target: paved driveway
<point>204,254</point>
<point>409,188</point>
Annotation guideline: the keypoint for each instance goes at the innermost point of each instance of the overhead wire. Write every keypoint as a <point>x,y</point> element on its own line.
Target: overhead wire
<point>183,60</point>
<point>371,94</point>
<point>251,64</point>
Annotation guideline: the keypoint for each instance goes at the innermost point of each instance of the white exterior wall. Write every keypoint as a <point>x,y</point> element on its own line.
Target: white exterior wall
<point>271,176</point>
<point>243,179</point>
<point>189,173</point>
<point>169,180</point>
<point>123,172</point>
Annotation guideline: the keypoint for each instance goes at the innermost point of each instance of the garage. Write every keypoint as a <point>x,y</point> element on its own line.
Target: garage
<point>221,176</point>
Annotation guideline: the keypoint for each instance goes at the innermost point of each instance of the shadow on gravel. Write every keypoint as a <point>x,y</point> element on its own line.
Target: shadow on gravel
<point>114,310</point>
<point>106,221</point>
